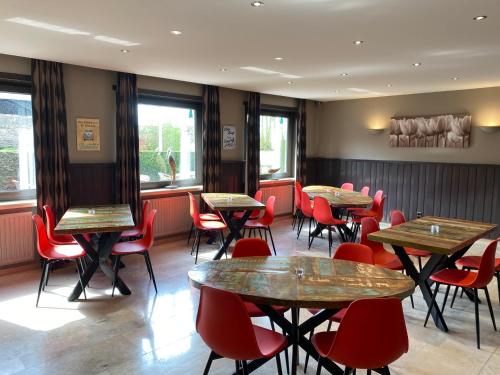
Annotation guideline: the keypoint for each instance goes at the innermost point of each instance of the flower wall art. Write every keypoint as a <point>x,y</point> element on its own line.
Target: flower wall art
<point>431,131</point>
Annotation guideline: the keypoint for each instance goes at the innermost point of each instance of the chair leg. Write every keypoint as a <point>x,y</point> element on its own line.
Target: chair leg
<point>318,371</point>
<point>278,364</point>
<point>79,269</point>
<point>299,227</point>
<point>150,269</point>
<point>116,268</point>
<point>419,264</point>
<point>272,241</point>
<point>330,241</point>
<point>387,372</point>
<point>454,296</point>
<point>433,303</point>
<point>47,275</point>
<point>209,363</point>
<point>498,284</point>
<point>287,361</point>
<point>445,298</point>
<point>309,234</point>
<point>42,278</point>
<point>490,308</point>
<point>245,368</point>
<point>190,233</point>
<point>197,242</point>
<point>307,355</point>
<point>329,328</point>
<point>347,371</point>
<point>194,242</point>
<point>476,311</point>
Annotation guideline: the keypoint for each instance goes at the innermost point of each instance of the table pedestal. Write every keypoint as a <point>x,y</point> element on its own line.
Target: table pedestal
<point>235,226</point>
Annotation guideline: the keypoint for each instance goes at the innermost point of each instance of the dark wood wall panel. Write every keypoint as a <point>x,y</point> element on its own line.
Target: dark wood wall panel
<point>465,191</point>
<point>233,176</point>
<point>92,184</point>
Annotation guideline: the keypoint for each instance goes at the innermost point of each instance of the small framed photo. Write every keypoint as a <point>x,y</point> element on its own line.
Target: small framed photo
<point>87,134</point>
<point>228,137</point>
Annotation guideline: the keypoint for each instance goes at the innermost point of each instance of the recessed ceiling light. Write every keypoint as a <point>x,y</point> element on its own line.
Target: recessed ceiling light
<point>389,85</point>
<point>479,18</point>
<point>344,74</point>
<point>278,58</point>
<point>358,42</point>
<point>125,50</point>
<point>417,64</point>
<point>335,91</point>
<point>257,3</point>
<point>454,78</point>
<point>223,69</point>
<point>176,32</point>
<point>290,82</point>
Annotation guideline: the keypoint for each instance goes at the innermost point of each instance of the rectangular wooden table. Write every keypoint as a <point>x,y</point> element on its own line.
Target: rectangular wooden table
<point>455,237</point>
<point>105,224</point>
<point>227,204</point>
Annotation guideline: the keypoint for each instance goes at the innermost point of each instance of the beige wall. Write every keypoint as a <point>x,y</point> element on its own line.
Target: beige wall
<point>342,128</point>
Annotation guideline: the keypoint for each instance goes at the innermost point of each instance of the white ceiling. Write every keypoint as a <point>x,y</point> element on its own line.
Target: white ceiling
<point>315,37</point>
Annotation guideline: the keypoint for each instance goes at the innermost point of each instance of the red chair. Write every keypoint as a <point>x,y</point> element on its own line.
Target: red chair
<point>365,190</point>
<point>297,190</point>
<point>264,223</point>
<point>203,217</point>
<point>376,211</point>
<point>140,246</point>
<point>347,186</point>
<point>255,213</point>
<point>469,280</point>
<point>51,253</point>
<point>397,217</point>
<point>57,239</point>
<point>353,252</point>
<point>203,226</point>
<point>224,325</point>
<point>306,207</point>
<point>138,229</point>
<point>322,213</point>
<point>361,341</point>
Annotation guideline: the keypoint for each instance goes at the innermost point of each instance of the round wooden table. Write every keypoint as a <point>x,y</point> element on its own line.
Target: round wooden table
<point>327,284</point>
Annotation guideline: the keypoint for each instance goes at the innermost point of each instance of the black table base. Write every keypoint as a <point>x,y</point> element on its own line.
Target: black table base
<point>235,226</point>
<point>99,258</point>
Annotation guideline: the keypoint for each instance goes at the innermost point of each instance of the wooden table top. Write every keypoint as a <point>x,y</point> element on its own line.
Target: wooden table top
<point>326,283</point>
<point>346,198</point>
<point>454,234</point>
<point>115,218</point>
<point>231,202</point>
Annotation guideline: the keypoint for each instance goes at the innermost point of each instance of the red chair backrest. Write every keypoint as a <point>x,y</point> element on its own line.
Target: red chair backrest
<point>251,247</point>
<point>347,186</point>
<point>306,205</point>
<point>370,225</point>
<point>145,209</point>
<point>378,208</point>
<point>149,237</point>
<point>354,252</point>
<point>223,323</point>
<point>486,269</point>
<point>297,190</point>
<point>257,197</point>
<point>193,210</point>
<point>322,212</point>
<point>372,334</point>
<point>42,241</point>
<point>365,190</point>
<point>397,217</point>
<point>51,224</point>
<point>268,217</point>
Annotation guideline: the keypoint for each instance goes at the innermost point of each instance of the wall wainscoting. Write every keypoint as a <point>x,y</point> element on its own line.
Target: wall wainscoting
<point>464,191</point>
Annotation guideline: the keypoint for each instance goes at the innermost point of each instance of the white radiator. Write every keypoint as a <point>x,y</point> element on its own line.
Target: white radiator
<point>16,238</point>
<point>284,198</point>
<point>172,216</point>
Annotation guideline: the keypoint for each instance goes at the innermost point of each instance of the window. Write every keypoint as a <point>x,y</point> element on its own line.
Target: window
<point>276,144</point>
<point>17,158</point>
<point>169,136</point>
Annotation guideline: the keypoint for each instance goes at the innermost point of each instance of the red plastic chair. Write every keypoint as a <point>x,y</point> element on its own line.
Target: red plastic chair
<point>382,257</point>
<point>306,207</point>
<point>376,211</point>
<point>397,217</point>
<point>255,213</point>
<point>203,217</point>
<point>361,341</point>
<point>297,190</point>
<point>365,190</point>
<point>353,252</point>
<point>347,186</point>
<point>322,213</point>
<point>203,226</point>
<point>469,280</point>
<point>51,253</point>
<point>264,223</point>
<point>138,229</point>
<point>57,239</point>
<point>140,246</point>
<point>224,325</point>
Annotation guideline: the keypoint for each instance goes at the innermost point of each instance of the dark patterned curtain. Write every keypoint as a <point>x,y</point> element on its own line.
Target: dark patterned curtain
<point>211,140</point>
<point>50,136</point>
<point>128,185</point>
<point>300,163</point>
<point>253,143</point>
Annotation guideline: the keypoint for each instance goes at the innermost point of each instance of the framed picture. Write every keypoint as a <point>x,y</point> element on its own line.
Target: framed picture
<point>228,137</point>
<point>87,134</point>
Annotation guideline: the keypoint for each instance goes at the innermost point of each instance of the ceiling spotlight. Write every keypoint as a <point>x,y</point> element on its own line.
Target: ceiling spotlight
<point>176,32</point>
<point>389,85</point>
<point>125,50</point>
<point>479,18</point>
<point>335,91</point>
<point>223,69</point>
<point>257,3</point>
<point>358,42</point>
<point>278,58</point>
<point>344,74</point>
<point>290,82</point>
<point>417,64</point>
<point>454,78</point>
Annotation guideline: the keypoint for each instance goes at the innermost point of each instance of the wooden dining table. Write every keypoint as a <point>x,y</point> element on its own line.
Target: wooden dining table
<point>455,237</point>
<point>227,204</point>
<point>339,199</point>
<point>300,282</point>
<point>103,226</point>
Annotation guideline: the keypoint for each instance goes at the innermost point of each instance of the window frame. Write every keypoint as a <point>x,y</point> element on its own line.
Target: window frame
<point>18,84</point>
<point>291,115</point>
<point>159,98</point>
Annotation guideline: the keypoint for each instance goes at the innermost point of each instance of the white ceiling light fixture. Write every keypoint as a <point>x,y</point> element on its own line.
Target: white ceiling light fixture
<point>358,42</point>
<point>223,69</point>
<point>176,32</point>
<point>417,64</point>
<point>257,4</point>
<point>125,50</point>
<point>455,78</point>
<point>480,18</point>
<point>110,39</point>
<point>344,74</point>
<point>290,82</point>
<point>279,58</point>
<point>389,85</point>
<point>47,26</point>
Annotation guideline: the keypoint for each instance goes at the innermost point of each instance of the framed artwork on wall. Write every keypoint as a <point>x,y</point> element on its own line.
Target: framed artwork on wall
<point>88,136</point>
<point>228,137</point>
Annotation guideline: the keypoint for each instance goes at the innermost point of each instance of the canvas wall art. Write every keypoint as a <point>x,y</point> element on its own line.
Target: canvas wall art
<point>431,131</point>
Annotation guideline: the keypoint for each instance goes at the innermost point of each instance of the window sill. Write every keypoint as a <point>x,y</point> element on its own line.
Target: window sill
<point>278,182</point>
<point>163,192</point>
<point>9,206</point>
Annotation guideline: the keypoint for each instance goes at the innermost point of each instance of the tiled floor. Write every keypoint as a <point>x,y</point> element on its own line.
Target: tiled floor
<point>148,334</point>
